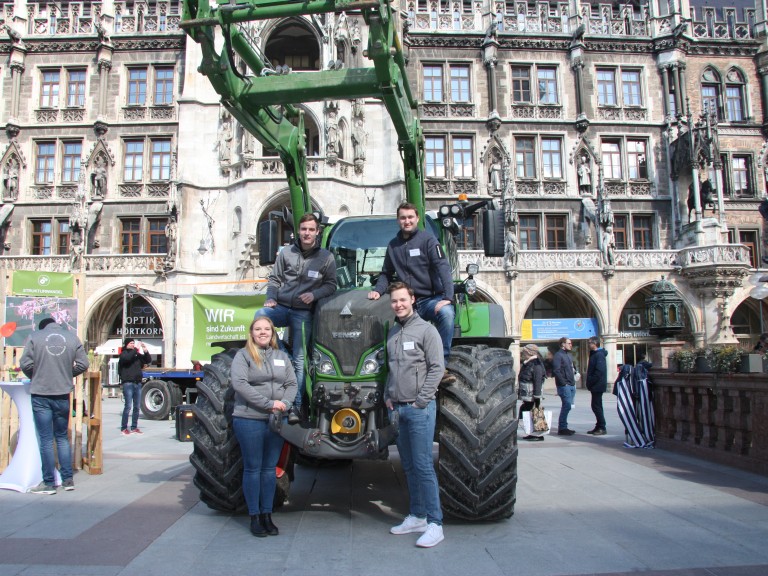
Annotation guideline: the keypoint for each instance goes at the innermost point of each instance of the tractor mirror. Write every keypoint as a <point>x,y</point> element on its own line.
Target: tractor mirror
<point>268,242</point>
<point>493,232</point>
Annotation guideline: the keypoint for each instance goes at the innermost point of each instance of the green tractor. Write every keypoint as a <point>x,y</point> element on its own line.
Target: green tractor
<point>346,363</point>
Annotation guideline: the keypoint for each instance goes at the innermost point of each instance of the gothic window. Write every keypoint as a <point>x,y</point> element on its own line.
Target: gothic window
<point>630,86</point>
<point>521,84</point>
<point>462,157</point>
<point>606,88</point>
<point>161,159</point>
<point>611,155</point>
<point>710,93</point>
<point>137,86</point>
<point>435,156</point>
<point>529,227</point>
<point>44,162</point>
<point>130,235</point>
<point>133,162</point>
<point>637,163</point>
<point>49,89</point>
<point>741,184</point>
<point>460,83</point>
<point>642,231</point>
<point>163,86</point>
<point>551,157</point>
<point>525,162</point>
<point>735,105</point>
<point>556,232</point>
<point>157,241</point>
<point>547,81</point>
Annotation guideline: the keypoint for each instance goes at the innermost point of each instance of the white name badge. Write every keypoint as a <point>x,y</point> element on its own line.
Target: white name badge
<point>313,274</point>
<point>279,362</point>
<point>408,346</point>
<point>414,252</point>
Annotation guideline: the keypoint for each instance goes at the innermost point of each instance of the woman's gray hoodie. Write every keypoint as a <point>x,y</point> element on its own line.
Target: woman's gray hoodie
<point>257,388</point>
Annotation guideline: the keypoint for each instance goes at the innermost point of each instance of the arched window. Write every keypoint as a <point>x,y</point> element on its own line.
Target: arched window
<point>710,93</point>
<point>293,44</point>
<point>735,103</point>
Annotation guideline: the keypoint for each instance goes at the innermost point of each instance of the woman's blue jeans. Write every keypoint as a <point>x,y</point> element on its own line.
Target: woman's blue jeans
<point>261,449</point>
<point>414,443</point>
<point>51,421</point>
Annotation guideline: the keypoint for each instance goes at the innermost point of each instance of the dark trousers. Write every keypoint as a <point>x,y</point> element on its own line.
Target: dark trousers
<point>597,408</point>
<point>528,406</point>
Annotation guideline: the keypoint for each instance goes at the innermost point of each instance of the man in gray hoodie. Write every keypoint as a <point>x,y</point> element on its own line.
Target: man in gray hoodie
<point>52,357</point>
<point>415,357</point>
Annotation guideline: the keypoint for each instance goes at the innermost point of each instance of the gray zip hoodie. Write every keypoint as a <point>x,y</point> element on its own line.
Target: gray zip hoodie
<point>296,272</point>
<point>416,364</point>
<point>257,388</point>
<point>51,358</point>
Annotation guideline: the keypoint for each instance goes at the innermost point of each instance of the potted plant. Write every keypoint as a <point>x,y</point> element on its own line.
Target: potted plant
<point>685,358</point>
<point>724,359</point>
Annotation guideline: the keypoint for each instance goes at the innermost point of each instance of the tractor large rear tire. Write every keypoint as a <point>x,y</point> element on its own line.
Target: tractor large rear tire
<point>216,456</point>
<point>477,431</point>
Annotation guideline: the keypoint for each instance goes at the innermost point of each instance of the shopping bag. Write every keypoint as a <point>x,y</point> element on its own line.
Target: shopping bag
<point>539,421</point>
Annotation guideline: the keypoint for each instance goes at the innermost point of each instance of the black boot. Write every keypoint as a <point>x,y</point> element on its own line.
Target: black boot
<point>269,527</point>
<point>257,528</point>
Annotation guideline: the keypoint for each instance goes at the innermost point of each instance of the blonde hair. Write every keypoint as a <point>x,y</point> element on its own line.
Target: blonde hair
<point>252,347</point>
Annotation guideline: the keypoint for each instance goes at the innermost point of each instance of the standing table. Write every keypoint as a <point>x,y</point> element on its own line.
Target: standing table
<point>25,469</point>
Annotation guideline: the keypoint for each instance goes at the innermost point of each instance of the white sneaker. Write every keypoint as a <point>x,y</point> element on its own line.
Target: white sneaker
<point>431,537</point>
<point>409,525</point>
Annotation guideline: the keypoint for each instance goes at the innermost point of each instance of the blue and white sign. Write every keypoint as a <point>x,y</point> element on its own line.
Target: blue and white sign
<point>556,328</point>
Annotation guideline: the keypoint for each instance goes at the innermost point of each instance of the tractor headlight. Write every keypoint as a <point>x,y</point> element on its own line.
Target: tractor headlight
<point>473,269</point>
<point>322,363</point>
<point>372,363</point>
<point>470,286</point>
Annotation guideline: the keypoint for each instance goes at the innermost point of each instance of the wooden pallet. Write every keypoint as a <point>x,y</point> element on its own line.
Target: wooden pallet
<point>93,458</point>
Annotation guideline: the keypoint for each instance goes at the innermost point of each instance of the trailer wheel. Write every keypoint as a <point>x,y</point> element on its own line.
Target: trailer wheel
<point>156,399</point>
<point>216,456</point>
<point>477,431</point>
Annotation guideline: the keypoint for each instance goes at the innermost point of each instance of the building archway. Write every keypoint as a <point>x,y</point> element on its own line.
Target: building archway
<point>294,44</point>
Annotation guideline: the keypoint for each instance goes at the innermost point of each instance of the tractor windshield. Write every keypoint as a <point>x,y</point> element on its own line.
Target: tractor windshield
<point>359,245</point>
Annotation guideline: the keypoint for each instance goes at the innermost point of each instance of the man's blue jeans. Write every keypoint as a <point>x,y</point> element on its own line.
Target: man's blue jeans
<point>443,320</point>
<point>51,421</point>
<point>298,322</point>
<point>132,397</point>
<point>567,395</point>
<point>414,443</point>
<point>261,449</point>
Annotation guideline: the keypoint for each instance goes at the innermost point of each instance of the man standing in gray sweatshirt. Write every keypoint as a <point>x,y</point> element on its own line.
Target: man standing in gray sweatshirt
<point>52,357</point>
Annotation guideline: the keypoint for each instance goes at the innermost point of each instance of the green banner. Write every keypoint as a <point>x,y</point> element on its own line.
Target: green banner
<point>55,284</point>
<point>221,318</point>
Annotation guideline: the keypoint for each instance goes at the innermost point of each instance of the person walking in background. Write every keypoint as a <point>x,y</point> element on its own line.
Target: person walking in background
<point>415,358</point>
<point>303,274</point>
<point>415,257</point>
<point>264,383</point>
<point>52,357</point>
<point>529,383</point>
<point>129,366</point>
<point>564,372</point>
<point>597,383</point>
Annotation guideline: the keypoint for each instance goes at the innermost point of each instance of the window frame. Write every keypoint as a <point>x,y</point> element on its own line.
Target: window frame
<point>435,82</point>
<point>160,160</point>
<point>136,94</point>
<point>41,243</point>
<point>462,154</point>
<point>132,235</point>
<point>431,154</point>
<point>546,153</point>
<point>548,82</point>
<point>746,172</point>
<point>130,168</point>
<point>163,86</point>
<point>156,239</point>
<point>50,90</point>
<point>615,157</point>
<point>76,88</point>
<point>606,88</point>
<point>646,233</point>
<point>529,231</point>
<point>528,158</point>
<point>461,80</point>
<point>71,162</point>
<point>45,164</point>
<point>632,94</point>
<point>556,236</point>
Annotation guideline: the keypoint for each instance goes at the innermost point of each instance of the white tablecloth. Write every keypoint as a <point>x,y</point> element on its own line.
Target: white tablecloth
<point>25,470</point>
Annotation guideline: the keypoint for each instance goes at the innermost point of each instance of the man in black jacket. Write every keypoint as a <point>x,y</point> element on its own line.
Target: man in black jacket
<point>597,382</point>
<point>129,366</point>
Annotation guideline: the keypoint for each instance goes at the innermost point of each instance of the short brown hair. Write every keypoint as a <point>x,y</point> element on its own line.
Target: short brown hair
<point>407,206</point>
<point>310,216</point>
<point>400,286</point>
<point>563,340</point>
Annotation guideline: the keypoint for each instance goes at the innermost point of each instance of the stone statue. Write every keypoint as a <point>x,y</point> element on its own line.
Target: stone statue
<point>11,181</point>
<point>99,179</point>
<point>225,140</point>
<point>511,248</point>
<point>332,133</point>
<point>495,175</point>
<point>608,246</point>
<point>171,231</point>
<point>358,141</point>
<point>584,173</point>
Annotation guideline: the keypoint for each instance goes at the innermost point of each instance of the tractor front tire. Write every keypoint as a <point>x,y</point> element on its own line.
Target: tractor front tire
<point>156,399</point>
<point>477,432</point>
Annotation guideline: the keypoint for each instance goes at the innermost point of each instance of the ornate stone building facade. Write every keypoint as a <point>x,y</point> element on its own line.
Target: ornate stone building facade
<point>624,142</point>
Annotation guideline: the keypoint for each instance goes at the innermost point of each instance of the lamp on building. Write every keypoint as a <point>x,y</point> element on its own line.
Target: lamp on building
<point>759,292</point>
<point>664,309</point>
<point>202,249</point>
